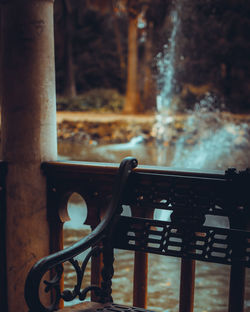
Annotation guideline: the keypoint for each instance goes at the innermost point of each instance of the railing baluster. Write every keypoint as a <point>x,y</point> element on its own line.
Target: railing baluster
<point>140,279</point>
<point>56,244</point>
<point>140,287</point>
<point>237,287</point>
<point>187,283</point>
<point>96,267</point>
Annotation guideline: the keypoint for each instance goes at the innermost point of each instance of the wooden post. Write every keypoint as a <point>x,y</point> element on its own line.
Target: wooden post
<point>238,220</point>
<point>238,271</point>
<point>237,287</point>
<point>187,285</point>
<point>28,135</point>
<point>140,279</point>
<point>140,289</point>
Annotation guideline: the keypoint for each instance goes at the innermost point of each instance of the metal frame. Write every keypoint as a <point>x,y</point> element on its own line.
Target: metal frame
<point>190,196</point>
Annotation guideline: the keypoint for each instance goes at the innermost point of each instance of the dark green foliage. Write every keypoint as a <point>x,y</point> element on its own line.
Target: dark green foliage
<point>96,60</point>
<point>101,100</point>
<point>214,38</point>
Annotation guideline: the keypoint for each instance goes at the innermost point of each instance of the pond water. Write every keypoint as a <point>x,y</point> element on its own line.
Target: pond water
<point>200,140</point>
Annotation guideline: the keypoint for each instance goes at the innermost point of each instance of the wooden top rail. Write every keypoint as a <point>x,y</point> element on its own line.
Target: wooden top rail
<point>76,168</point>
<point>212,190</point>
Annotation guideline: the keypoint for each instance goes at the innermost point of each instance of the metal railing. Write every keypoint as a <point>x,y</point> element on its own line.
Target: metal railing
<point>190,196</point>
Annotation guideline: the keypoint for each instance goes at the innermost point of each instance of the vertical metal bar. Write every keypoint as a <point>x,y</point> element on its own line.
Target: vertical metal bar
<point>237,287</point>
<point>96,266</point>
<point>238,220</point>
<point>107,271</point>
<point>140,279</point>
<point>186,302</point>
<point>56,244</point>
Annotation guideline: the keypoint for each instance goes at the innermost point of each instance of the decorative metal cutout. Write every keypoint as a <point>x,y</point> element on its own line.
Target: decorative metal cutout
<point>202,243</point>
<point>205,194</point>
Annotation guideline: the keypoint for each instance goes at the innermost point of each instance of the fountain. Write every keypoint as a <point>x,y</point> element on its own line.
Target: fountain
<point>205,137</point>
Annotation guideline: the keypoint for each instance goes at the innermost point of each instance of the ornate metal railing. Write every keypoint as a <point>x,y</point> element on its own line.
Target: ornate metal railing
<point>191,197</point>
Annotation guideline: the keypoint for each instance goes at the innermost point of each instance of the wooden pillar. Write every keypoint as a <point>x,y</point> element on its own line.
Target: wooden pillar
<point>28,135</point>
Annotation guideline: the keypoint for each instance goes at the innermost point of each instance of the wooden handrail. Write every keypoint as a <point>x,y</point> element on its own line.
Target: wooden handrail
<point>78,167</point>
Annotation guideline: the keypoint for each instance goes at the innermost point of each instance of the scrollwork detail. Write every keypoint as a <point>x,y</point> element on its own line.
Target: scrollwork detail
<point>54,284</point>
<point>68,295</point>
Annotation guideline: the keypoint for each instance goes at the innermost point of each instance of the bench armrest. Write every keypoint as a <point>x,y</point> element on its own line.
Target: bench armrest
<point>53,263</point>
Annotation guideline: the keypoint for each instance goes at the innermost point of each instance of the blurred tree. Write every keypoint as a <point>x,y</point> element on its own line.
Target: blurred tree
<point>114,44</point>
<point>118,37</point>
<point>1,51</point>
<point>146,25</point>
<point>214,48</point>
<point>104,6</point>
<point>64,33</point>
<point>70,85</point>
<point>132,102</point>
<point>97,46</point>
<point>154,38</point>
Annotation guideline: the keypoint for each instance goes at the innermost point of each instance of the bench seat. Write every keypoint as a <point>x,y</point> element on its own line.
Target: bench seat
<point>107,307</point>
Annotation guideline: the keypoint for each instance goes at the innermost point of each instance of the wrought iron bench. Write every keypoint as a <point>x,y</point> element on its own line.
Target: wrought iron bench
<point>190,198</point>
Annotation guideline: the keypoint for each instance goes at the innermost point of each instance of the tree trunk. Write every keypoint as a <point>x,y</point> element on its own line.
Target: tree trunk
<point>118,42</point>
<point>149,88</point>
<point>70,84</point>
<point>132,101</point>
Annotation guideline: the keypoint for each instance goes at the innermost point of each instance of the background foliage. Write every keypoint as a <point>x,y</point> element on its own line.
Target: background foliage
<point>212,55</point>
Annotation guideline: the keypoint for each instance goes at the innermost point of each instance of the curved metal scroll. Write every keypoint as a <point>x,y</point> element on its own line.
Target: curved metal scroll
<point>54,262</point>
